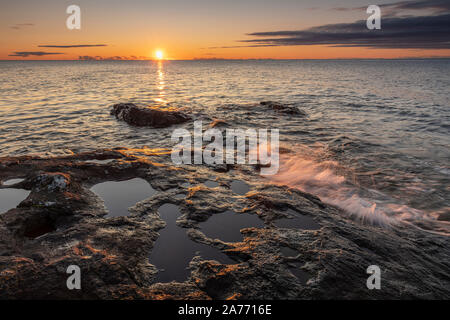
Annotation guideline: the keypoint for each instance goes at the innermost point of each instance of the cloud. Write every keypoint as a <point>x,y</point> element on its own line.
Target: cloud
<point>100,58</point>
<point>438,6</point>
<point>73,46</point>
<point>87,58</point>
<point>20,25</point>
<point>25,54</point>
<point>248,46</point>
<point>103,58</point>
<point>414,32</point>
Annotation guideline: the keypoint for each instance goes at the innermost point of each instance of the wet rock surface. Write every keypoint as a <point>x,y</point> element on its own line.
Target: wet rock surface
<point>62,223</point>
<point>147,116</point>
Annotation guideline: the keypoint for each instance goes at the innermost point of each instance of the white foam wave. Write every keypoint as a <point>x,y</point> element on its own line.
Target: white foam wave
<point>310,170</point>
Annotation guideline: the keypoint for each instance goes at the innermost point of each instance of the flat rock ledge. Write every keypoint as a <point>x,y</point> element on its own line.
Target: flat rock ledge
<point>62,223</point>
<point>147,116</point>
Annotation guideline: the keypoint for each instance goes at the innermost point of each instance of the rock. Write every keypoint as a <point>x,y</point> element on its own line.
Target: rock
<point>53,181</point>
<point>444,216</point>
<point>281,108</point>
<point>147,116</point>
<point>63,223</point>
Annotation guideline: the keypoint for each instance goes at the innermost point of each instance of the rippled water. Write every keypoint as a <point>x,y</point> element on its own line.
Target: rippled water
<point>376,132</point>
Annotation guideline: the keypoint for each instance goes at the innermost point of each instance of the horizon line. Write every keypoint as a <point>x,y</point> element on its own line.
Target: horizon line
<point>237,59</point>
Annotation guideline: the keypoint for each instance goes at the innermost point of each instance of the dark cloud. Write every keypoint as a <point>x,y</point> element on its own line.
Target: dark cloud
<point>73,46</point>
<point>100,58</point>
<point>20,25</point>
<point>438,6</point>
<point>248,46</point>
<point>442,6</point>
<point>25,54</point>
<point>417,32</point>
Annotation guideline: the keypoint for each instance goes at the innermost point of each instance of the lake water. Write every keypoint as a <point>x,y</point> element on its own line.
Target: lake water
<point>375,140</point>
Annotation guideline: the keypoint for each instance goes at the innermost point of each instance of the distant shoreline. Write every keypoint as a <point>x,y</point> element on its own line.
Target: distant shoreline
<point>152,60</point>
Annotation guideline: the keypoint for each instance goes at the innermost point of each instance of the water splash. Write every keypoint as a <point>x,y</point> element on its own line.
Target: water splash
<point>321,179</point>
<point>313,170</point>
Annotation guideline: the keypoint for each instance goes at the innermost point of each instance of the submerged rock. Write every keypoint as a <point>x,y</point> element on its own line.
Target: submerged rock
<point>146,116</point>
<point>63,223</point>
<point>282,108</point>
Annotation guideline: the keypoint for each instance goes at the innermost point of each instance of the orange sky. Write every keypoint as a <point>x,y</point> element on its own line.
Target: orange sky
<point>183,30</point>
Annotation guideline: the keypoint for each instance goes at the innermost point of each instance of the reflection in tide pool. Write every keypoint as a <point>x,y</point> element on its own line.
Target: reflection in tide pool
<point>119,196</point>
<point>174,250</point>
<point>240,187</point>
<point>227,226</point>
<point>11,198</point>
<point>95,161</point>
<point>11,182</point>
<point>301,275</point>
<point>211,184</point>
<point>288,252</point>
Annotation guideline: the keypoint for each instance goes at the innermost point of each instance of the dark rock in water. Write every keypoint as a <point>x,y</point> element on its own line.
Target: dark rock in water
<point>282,108</point>
<point>146,116</point>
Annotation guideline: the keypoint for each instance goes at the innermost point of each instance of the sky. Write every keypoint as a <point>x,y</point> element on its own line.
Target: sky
<point>228,29</point>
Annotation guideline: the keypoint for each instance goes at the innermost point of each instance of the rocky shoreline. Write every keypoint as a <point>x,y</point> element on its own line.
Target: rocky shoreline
<point>63,223</point>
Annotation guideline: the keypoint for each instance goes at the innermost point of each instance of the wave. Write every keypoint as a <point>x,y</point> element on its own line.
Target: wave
<point>322,178</point>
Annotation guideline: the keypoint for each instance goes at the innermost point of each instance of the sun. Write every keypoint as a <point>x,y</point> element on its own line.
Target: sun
<point>159,54</point>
